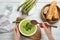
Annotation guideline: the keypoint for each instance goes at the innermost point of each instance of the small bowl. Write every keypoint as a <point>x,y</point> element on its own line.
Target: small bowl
<point>43,16</point>
<point>26,34</point>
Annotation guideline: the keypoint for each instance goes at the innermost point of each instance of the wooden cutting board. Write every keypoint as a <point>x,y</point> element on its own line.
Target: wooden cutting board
<point>36,36</point>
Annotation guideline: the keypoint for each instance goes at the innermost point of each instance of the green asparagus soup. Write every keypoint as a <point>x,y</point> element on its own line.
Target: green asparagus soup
<point>26,27</point>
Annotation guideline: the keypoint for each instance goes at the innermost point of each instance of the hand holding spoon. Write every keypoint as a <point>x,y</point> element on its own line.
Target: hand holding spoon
<point>34,22</point>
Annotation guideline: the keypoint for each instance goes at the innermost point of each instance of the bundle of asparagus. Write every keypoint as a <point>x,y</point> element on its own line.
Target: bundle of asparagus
<point>52,12</point>
<point>27,6</point>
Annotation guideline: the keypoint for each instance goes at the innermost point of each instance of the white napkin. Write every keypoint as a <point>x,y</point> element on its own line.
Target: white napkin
<point>6,24</point>
<point>3,22</point>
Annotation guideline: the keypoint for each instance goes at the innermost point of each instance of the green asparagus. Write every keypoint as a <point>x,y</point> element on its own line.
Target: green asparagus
<point>33,1</point>
<point>22,4</point>
<point>27,6</point>
<point>30,6</point>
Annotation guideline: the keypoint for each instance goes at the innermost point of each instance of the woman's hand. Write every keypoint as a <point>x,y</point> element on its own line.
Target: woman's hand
<point>47,30</point>
<point>16,33</point>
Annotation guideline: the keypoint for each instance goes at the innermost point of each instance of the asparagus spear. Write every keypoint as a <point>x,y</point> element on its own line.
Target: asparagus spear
<point>22,4</point>
<point>29,4</point>
<point>26,4</point>
<point>24,12</point>
<point>27,9</point>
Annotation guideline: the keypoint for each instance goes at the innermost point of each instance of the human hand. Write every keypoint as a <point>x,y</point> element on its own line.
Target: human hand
<point>47,30</point>
<point>16,33</point>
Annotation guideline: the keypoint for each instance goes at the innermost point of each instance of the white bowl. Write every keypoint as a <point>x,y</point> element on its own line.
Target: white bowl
<point>26,34</point>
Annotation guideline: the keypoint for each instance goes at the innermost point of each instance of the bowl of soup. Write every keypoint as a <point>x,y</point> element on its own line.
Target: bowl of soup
<point>26,28</point>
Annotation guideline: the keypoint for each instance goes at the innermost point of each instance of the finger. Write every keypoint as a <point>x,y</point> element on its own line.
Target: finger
<point>17,25</point>
<point>49,28</point>
<point>17,28</point>
<point>47,23</point>
<point>38,25</point>
<point>44,26</point>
